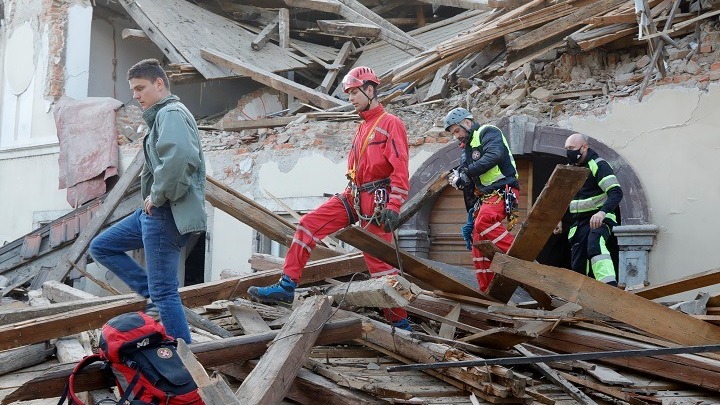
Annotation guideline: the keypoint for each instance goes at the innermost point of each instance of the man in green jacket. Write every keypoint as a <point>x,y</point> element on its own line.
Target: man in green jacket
<point>173,189</point>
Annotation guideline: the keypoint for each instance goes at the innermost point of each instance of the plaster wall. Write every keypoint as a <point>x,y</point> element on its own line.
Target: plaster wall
<point>671,140</point>
<point>28,141</point>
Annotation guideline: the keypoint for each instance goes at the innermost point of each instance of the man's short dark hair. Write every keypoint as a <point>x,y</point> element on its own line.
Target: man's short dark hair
<point>148,69</point>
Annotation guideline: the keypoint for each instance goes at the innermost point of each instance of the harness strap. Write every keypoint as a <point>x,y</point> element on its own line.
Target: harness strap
<point>352,218</point>
<point>353,171</point>
<point>374,185</point>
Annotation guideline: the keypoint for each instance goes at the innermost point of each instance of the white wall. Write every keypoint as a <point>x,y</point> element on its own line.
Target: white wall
<point>28,140</point>
<point>672,141</point>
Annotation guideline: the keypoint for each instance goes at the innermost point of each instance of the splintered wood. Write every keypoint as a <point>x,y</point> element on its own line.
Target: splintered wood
<point>383,292</point>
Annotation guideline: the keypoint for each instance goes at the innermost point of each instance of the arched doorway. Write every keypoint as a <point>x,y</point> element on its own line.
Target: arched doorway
<point>429,233</point>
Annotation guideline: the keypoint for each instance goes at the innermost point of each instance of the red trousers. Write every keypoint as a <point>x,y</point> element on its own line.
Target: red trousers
<point>488,226</point>
<point>329,217</point>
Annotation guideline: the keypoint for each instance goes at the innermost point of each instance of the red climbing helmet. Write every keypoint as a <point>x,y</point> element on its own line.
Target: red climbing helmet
<point>358,77</point>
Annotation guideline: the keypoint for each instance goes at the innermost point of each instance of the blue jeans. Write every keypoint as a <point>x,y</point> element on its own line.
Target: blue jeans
<point>162,242</point>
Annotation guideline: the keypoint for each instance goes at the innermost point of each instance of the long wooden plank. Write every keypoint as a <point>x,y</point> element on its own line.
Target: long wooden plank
<point>333,73</point>
<point>54,326</point>
<point>414,266</point>
<point>431,189</point>
<point>96,222</point>
<point>700,280</point>
<point>467,4</point>
<point>240,125</point>
<point>308,387</point>
<point>327,6</point>
<point>636,311</point>
<point>355,11</point>
<point>548,210</point>
<point>259,218</point>
<point>209,354</point>
<point>348,29</point>
<point>270,79</point>
<point>562,24</point>
<point>270,380</point>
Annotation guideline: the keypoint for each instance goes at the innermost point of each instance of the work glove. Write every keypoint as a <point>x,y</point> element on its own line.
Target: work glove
<point>459,178</point>
<point>468,228</point>
<point>390,219</point>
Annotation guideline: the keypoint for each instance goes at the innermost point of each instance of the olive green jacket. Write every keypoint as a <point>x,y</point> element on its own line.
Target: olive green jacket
<point>174,169</point>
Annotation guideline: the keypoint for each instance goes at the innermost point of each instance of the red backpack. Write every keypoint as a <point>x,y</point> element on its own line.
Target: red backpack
<point>144,362</point>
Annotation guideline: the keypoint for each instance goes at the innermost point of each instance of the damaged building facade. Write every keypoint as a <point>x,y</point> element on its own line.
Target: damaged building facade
<point>663,147</point>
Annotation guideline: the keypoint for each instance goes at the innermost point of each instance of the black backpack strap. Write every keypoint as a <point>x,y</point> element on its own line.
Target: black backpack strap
<point>129,388</point>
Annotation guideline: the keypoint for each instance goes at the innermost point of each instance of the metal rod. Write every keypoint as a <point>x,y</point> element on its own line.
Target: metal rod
<point>509,361</point>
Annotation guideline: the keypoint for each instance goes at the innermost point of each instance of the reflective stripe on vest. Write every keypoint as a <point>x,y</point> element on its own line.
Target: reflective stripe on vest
<point>595,202</point>
<point>494,174</point>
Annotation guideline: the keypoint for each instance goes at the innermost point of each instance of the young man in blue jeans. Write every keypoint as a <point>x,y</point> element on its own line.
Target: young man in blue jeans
<point>173,189</point>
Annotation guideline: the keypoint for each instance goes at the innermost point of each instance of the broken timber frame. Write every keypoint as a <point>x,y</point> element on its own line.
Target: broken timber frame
<point>618,304</point>
<point>271,79</point>
<point>544,216</point>
<point>270,380</point>
<point>411,265</point>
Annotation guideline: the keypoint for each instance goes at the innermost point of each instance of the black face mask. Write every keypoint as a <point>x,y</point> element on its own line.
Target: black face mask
<point>573,156</point>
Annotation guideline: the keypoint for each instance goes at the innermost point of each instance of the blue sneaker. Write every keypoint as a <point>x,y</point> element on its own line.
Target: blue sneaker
<point>403,324</point>
<point>282,292</point>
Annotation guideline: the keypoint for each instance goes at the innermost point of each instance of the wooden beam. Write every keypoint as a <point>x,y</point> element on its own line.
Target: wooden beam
<point>339,61</point>
<point>557,379</point>
<point>348,29</point>
<point>308,387</point>
<point>401,345</point>
<point>284,28</point>
<point>562,24</point>
<point>414,266</point>
<point>430,190</point>
<point>248,318</point>
<point>26,356</point>
<point>439,86</point>
<point>213,391</point>
<point>271,79</point>
<point>23,314</point>
<point>264,36</point>
<point>209,354</point>
<point>564,183</point>
<point>381,292</point>
<point>466,4</point>
<point>259,218</point>
<point>148,26</point>
<point>355,11</point>
<point>681,285</point>
<point>54,326</point>
<point>98,220</point>
<point>270,380</point>
<point>328,6</point>
<point>239,125</point>
<point>636,311</point>
<point>129,33</point>
<point>447,330</point>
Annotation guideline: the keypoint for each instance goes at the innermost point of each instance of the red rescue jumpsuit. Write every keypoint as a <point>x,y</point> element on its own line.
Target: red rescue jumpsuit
<point>379,151</point>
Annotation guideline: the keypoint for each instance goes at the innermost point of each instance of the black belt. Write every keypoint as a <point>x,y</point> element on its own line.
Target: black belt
<point>374,185</point>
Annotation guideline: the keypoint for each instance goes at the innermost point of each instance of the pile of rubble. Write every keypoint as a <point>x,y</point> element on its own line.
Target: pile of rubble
<point>329,347</point>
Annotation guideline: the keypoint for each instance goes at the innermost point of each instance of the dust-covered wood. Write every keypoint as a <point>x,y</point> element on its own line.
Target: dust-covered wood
<point>382,292</point>
<point>270,380</point>
<point>636,311</point>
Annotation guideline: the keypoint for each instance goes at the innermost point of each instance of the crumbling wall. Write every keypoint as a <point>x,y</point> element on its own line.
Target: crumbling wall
<point>671,140</point>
